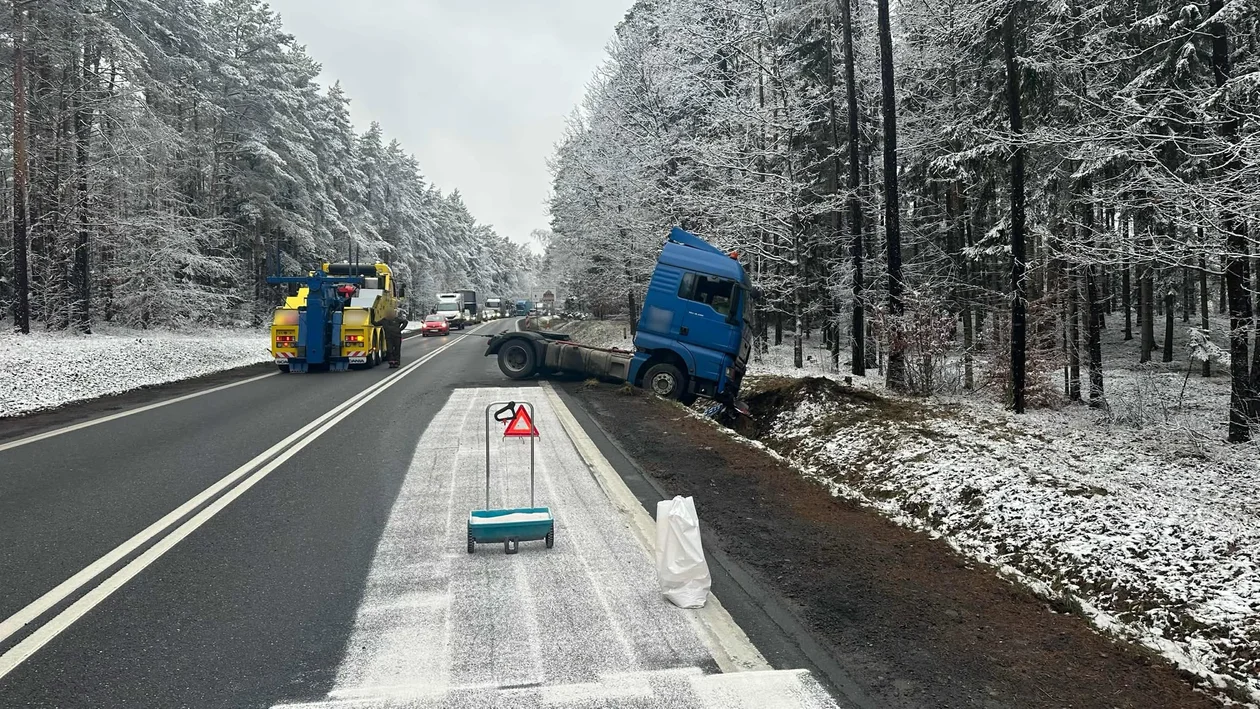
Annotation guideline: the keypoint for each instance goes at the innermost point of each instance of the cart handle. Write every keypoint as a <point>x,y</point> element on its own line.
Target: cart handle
<point>510,406</point>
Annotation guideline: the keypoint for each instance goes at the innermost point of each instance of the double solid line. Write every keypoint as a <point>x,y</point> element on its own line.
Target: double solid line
<point>100,578</point>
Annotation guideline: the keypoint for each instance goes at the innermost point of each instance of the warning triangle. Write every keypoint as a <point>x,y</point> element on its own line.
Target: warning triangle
<point>521,425</point>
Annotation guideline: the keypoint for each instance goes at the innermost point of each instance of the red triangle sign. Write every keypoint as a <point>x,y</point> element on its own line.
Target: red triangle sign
<point>521,425</point>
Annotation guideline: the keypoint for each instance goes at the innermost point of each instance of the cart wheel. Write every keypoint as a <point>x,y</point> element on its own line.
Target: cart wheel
<point>472,543</point>
<point>551,538</point>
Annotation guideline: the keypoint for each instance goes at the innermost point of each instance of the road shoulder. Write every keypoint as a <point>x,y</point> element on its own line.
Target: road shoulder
<point>884,614</point>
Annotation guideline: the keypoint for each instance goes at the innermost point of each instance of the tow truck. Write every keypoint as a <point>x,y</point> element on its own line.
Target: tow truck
<point>335,318</point>
<point>693,337</point>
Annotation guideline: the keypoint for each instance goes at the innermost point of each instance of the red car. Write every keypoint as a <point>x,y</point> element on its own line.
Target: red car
<point>435,325</point>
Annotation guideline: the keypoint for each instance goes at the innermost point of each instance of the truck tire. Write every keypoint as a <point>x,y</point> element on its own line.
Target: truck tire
<point>517,359</point>
<point>665,381</point>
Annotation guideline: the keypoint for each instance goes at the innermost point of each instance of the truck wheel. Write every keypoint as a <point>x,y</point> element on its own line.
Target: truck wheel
<point>517,359</point>
<point>665,381</point>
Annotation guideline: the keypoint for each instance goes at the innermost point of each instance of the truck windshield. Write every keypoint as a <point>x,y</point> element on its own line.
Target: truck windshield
<point>448,307</point>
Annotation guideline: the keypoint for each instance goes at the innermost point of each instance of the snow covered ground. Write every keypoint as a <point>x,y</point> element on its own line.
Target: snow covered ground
<point>46,370</point>
<point>1155,537</point>
<point>613,334</point>
<point>1140,515</point>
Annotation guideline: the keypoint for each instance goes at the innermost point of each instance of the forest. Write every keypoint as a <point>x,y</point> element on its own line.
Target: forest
<point>987,183</point>
<point>165,151</point>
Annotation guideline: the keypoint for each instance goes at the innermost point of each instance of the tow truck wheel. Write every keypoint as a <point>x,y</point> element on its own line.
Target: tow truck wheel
<point>665,381</point>
<point>518,360</point>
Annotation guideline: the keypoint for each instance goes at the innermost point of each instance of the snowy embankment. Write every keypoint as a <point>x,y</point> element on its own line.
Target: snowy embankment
<point>43,371</point>
<point>1154,540</point>
<point>1142,517</point>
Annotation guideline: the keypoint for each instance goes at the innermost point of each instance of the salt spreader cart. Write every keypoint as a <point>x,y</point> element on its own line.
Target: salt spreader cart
<point>511,526</point>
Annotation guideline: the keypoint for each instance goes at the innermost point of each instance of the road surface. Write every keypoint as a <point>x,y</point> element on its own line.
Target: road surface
<point>299,541</point>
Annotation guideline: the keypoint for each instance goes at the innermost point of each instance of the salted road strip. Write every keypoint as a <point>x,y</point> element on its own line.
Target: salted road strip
<point>579,625</point>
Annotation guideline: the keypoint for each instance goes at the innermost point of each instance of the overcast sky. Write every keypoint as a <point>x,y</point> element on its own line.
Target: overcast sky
<point>478,90</point>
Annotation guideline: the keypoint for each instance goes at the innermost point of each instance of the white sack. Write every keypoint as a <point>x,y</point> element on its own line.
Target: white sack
<point>680,564</point>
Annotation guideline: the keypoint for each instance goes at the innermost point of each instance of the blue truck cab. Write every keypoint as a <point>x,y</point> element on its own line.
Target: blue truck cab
<point>693,336</point>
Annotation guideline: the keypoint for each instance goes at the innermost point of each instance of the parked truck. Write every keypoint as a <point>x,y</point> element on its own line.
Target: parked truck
<point>693,336</point>
<point>468,306</point>
<point>335,319</point>
<point>493,308</point>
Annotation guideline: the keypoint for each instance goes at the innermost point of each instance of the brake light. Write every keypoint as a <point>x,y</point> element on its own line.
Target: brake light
<point>354,338</point>
<point>284,338</point>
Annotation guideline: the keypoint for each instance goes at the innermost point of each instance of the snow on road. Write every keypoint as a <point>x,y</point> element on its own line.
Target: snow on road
<point>580,625</point>
<point>46,370</point>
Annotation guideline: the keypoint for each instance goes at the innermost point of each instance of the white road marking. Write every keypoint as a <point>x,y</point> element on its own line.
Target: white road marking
<point>129,412</point>
<point>582,624</point>
<point>294,443</point>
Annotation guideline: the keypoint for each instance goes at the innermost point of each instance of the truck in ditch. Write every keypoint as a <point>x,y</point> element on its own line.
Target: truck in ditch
<point>693,336</point>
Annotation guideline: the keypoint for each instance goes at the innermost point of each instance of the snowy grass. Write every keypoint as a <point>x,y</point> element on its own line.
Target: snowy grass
<point>47,370</point>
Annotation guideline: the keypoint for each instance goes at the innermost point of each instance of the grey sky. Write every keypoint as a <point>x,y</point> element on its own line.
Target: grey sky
<point>477,89</point>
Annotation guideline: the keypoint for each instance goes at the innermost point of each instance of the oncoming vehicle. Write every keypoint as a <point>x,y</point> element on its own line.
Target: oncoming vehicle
<point>434,325</point>
<point>450,306</point>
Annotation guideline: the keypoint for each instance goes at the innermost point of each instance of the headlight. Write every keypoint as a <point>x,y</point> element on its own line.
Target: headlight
<point>730,373</point>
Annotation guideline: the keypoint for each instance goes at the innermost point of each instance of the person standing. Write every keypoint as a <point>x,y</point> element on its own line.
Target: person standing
<point>393,327</point>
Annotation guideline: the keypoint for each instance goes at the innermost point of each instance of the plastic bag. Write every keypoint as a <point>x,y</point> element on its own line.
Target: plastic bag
<point>680,564</point>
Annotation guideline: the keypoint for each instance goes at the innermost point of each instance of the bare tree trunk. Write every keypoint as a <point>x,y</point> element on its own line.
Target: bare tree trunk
<point>855,206</point>
<point>1170,306</point>
<point>969,336</point>
<point>1126,299</point>
<point>1237,260</point>
<point>1223,304</point>
<point>634,312</point>
<point>22,288</point>
<point>1018,268</point>
<point>82,307</point>
<point>896,373</point>
<point>1073,337</point>
<point>1146,314</point>
<point>1093,306</point>
<point>1203,304</point>
<point>1187,293</point>
<point>798,354</point>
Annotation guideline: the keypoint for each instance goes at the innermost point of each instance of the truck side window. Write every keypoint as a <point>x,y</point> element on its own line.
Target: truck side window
<point>687,288</point>
<point>716,293</point>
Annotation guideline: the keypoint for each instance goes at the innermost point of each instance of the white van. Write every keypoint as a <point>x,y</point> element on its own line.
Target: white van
<point>448,306</point>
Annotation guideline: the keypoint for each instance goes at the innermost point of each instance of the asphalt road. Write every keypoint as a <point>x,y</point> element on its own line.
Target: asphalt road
<point>298,540</point>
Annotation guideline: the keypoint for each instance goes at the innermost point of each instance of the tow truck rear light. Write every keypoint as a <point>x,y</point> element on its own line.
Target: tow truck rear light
<point>284,338</point>
<point>354,338</point>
